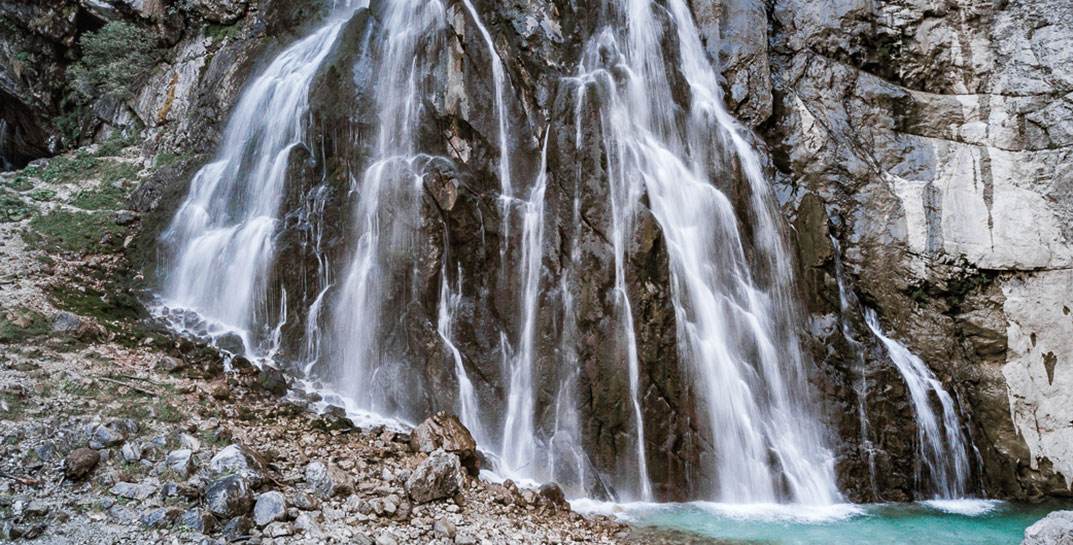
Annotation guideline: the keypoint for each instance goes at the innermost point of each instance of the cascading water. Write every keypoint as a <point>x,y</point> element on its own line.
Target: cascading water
<point>943,450</point>
<point>847,303</point>
<point>388,199</point>
<point>735,322</point>
<point>732,334</point>
<point>222,234</point>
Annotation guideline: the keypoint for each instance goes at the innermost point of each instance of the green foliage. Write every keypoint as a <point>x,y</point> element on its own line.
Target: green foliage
<point>68,231</point>
<point>20,183</point>
<point>114,59</point>
<point>112,172</point>
<point>43,195</point>
<point>116,143</point>
<point>12,208</point>
<point>69,168</point>
<point>219,33</point>
<point>167,159</point>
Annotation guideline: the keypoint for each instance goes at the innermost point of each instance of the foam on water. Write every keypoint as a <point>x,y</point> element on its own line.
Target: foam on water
<point>966,507</point>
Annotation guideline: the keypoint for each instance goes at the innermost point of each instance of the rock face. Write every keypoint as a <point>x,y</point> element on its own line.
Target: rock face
<point>439,476</point>
<point>1054,529</point>
<point>932,142</point>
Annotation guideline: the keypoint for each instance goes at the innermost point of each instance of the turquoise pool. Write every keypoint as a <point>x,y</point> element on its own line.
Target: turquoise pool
<point>958,522</point>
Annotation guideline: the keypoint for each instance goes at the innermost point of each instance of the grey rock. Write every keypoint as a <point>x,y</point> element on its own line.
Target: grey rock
<point>125,217</point>
<point>305,502</point>
<point>65,323</point>
<point>236,527</point>
<point>279,529</point>
<point>1054,529</point>
<point>444,528</point>
<point>237,459</point>
<point>181,462</point>
<point>160,518</point>
<point>133,491</point>
<point>386,538</point>
<point>229,497</point>
<point>308,526</point>
<point>327,480</point>
<point>270,507</point>
<point>171,364</point>
<point>107,435</point>
<point>439,476</point>
<point>446,432</point>
<point>131,451</point>
<point>46,452</point>
<point>198,520</point>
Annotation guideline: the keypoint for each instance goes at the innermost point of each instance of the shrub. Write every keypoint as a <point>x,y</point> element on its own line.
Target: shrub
<point>114,59</point>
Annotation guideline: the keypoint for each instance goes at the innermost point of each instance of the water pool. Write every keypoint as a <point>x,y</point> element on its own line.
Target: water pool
<point>957,522</point>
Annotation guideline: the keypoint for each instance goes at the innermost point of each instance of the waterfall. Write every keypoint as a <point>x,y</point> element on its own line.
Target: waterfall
<point>388,200</point>
<point>847,304</point>
<point>941,445</point>
<point>221,239</point>
<point>469,410</point>
<point>733,337</point>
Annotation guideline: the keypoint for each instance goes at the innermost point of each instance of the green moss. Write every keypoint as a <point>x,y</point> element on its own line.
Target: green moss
<point>69,168</point>
<point>22,325</point>
<point>219,33</point>
<point>20,183</point>
<point>116,143</point>
<point>68,231</point>
<point>167,159</point>
<point>43,195</point>
<point>106,307</point>
<point>12,208</point>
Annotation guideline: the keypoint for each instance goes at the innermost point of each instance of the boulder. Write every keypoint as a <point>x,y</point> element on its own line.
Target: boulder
<point>160,518</point>
<point>198,520</point>
<point>270,507</point>
<point>229,497</point>
<point>446,432</point>
<point>133,491</point>
<point>327,480</point>
<point>80,463</point>
<point>1054,529</point>
<point>181,462</point>
<point>439,476</point>
<point>237,459</point>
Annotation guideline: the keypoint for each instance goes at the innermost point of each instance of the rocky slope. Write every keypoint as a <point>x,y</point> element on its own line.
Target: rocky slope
<point>931,140</point>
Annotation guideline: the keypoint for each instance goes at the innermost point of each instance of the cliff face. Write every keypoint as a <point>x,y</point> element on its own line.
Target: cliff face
<point>932,141</point>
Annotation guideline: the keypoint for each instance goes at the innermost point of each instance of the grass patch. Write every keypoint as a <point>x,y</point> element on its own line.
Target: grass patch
<point>74,231</point>
<point>116,143</point>
<point>68,168</point>
<point>21,325</point>
<point>107,197</point>
<point>106,307</point>
<point>12,208</point>
<point>43,195</point>
<point>20,183</point>
<point>167,159</point>
<point>219,33</point>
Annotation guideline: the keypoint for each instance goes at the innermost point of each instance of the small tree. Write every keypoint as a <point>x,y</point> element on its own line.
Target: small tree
<point>113,61</point>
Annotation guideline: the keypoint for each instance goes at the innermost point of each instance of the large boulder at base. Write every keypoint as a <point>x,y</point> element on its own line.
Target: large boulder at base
<point>1054,529</point>
<point>446,432</point>
<point>439,476</point>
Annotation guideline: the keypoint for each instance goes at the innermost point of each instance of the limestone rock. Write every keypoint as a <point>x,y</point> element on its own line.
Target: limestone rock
<point>270,507</point>
<point>439,476</point>
<point>446,432</point>
<point>229,497</point>
<point>327,480</point>
<point>1054,529</point>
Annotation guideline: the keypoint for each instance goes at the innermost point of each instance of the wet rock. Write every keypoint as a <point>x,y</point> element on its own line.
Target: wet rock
<point>133,491</point>
<point>553,495</point>
<point>160,518</point>
<point>198,520</point>
<point>446,432</point>
<point>181,462</point>
<point>439,476</point>
<point>229,497</point>
<point>273,381</point>
<point>1054,529</point>
<point>10,532</point>
<point>231,343</point>
<point>327,480</point>
<point>334,418</point>
<point>270,507</point>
